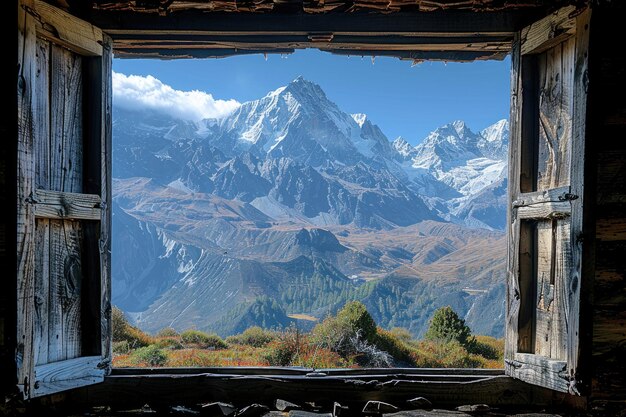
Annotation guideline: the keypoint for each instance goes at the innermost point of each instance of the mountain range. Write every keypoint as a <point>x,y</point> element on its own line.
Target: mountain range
<point>288,207</point>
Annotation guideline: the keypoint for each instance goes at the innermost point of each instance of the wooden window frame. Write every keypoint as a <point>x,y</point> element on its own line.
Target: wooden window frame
<point>137,386</point>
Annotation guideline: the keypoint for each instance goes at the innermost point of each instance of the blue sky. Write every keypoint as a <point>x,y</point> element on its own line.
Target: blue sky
<point>404,100</point>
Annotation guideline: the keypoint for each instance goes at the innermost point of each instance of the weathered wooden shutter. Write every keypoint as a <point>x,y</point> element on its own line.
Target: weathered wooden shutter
<point>64,169</point>
<point>549,76</point>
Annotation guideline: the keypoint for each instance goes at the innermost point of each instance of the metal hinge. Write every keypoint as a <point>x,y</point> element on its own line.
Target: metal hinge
<point>568,197</point>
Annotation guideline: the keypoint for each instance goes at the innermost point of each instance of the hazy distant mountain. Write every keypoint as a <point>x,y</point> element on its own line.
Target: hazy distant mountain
<point>290,199</point>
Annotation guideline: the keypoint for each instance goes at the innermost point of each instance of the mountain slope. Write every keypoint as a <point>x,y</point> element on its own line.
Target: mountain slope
<point>292,200</point>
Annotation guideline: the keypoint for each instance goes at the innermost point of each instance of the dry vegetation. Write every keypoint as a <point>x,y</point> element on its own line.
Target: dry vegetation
<point>350,339</point>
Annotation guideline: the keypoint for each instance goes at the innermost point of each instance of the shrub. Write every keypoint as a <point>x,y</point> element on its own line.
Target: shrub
<point>400,333</point>
<point>122,330</point>
<point>395,346</point>
<point>338,333</point>
<point>151,355</point>
<point>167,332</point>
<point>172,343</point>
<point>202,340</point>
<point>121,347</point>
<point>451,354</point>
<point>253,336</point>
<point>193,358</point>
<point>368,354</point>
<point>488,347</point>
<point>320,358</point>
<point>285,351</point>
<point>356,316</point>
<point>446,326</point>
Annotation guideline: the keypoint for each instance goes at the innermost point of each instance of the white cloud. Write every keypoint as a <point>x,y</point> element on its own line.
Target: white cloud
<point>135,92</point>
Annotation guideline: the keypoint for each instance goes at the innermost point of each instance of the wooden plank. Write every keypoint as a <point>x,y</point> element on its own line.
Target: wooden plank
<point>549,31</point>
<point>106,174</point>
<point>66,175</point>
<point>135,391</point>
<point>42,177</point>
<point>539,370</point>
<point>42,291</point>
<point>62,376</point>
<point>553,269</point>
<point>578,227</point>
<point>61,205</point>
<point>66,162</point>
<point>545,211</point>
<point>307,37</point>
<point>278,33</point>
<point>562,267</point>
<point>513,302</point>
<point>26,85</point>
<point>65,290</point>
<point>464,56</point>
<point>545,304</point>
<point>42,103</point>
<point>450,21</point>
<point>395,373</point>
<point>490,46</point>
<point>526,278</point>
<point>67,30</point>
<point>552,195</point>
<point>555,115</point>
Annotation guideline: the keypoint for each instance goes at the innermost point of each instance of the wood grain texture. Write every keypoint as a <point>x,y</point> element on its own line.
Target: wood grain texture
<point>42,291</point>
<point>65,290</point>
<point>555,68</point>
<point>539,370</point>
<point>61,376</point>
<point>67,30</point>
<point>51,183</point>
<point>526,277</point>
<point>106,172</point>
<point>66,130</point>
<point>164,389</point>
<point>572,296</point>
<point>552,210</point>
<point>26,86</point>
<point>513,304</point>
<point>553,213</point>
<point>553,266</point>
<point>62,205</point>
<point>545,303</point>
<point>549,31</point>
<point>42,104</point>
<point>553,195</point>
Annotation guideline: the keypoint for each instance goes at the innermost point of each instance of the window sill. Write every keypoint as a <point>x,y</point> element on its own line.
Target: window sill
<point>134,387</point>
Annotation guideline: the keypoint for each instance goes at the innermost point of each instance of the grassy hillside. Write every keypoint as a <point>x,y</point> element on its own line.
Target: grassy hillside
<point>349,339</point>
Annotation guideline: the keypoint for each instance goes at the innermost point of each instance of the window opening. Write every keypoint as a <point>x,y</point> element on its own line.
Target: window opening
<point>291,229</point>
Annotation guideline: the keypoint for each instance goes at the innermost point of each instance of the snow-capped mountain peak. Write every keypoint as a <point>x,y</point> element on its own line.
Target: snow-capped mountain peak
<point>494,142</point>
<point>496,132</point>
<point>403,147</point>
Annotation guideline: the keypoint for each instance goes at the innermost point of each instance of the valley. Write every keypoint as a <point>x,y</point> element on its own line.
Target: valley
<point>287,208</point>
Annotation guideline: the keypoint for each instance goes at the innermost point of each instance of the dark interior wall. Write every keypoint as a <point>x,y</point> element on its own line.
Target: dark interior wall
<point>8,150</point>
<point>606,134</point>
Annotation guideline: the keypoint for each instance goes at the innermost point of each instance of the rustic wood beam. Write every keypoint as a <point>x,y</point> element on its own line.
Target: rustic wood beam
<point>161,390</point>
<point>64,29</point>
<point>406,35</point>
<point>296,370</point>
<point>449,21</point>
